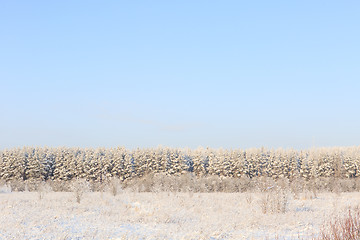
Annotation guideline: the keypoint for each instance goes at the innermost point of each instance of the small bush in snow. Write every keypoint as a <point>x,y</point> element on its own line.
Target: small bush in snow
<point>79,187</point>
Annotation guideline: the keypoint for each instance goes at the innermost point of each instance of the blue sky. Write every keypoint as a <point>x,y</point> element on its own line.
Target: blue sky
<point>231,74</point>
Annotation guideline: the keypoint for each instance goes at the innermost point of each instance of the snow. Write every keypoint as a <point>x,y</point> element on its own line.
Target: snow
<point>164,215</point>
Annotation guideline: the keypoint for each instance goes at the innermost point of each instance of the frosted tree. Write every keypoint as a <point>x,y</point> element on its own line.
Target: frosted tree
<point>197,157</point>
<point>252,163</point>
<point>7,165</point>
<point>118,156</point>
<point>129,166</point>
<point>325,166</point>
<point>293,167</point>
<point>337,164</point>
<point>60,169</point>
<point>178,164</point>
<point>188,162</point>
<point>264,162</point>
<point>158,159</point>
<point>350,166</point>
<point>306,166</point>
<point>213,162</point>
<point>149,162</point>
<point>47,159</point>
<point>78,164</point>
<point>33,165</point>
<point>228,168</point>
<point>100,164</point>
<point>238,157</point>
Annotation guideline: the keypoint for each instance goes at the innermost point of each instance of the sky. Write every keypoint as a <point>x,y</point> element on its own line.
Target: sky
<point>230,74</point>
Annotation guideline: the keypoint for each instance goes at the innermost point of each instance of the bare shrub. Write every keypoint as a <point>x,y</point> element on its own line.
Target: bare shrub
<point>186,182</point>
<point>245,184</point>
<point>43,188</point>
<point>229,184</point>
<point>79,187</point>
<point>347,184</point>
<point>312,187</point>
<point>32,184</point>
<point>342,228</point>
<point>202,185</point>
<point>145,183</point>
<point>265,184</point>
<point>334,186</point>
<point>96,186</point>
<point>296,187</point>
<point>273,199</point>
<point>159,182</point>
<point>357,184</point>
<point>17,185</point>
<point>281,201</point>
<point>60,186</point>
<point>214,184</point>
<point>264,202</point>
<point>114,185</point>
<point>174,183</point>
<point>249,198</point>
<point>4,187</point>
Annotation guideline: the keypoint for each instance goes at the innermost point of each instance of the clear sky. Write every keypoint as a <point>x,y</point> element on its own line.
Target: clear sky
<point>231,74</point>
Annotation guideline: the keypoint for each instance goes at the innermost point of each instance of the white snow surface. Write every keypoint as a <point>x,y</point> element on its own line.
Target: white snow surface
<point>164,215</point>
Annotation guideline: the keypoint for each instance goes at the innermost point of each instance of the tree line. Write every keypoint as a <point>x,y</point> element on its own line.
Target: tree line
<point>100,164</point>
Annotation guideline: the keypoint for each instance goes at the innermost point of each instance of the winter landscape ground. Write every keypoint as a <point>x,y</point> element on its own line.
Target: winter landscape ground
<point>169,215</point>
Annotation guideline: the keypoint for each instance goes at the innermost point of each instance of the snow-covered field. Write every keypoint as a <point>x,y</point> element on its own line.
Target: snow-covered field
<point>165,215</point>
